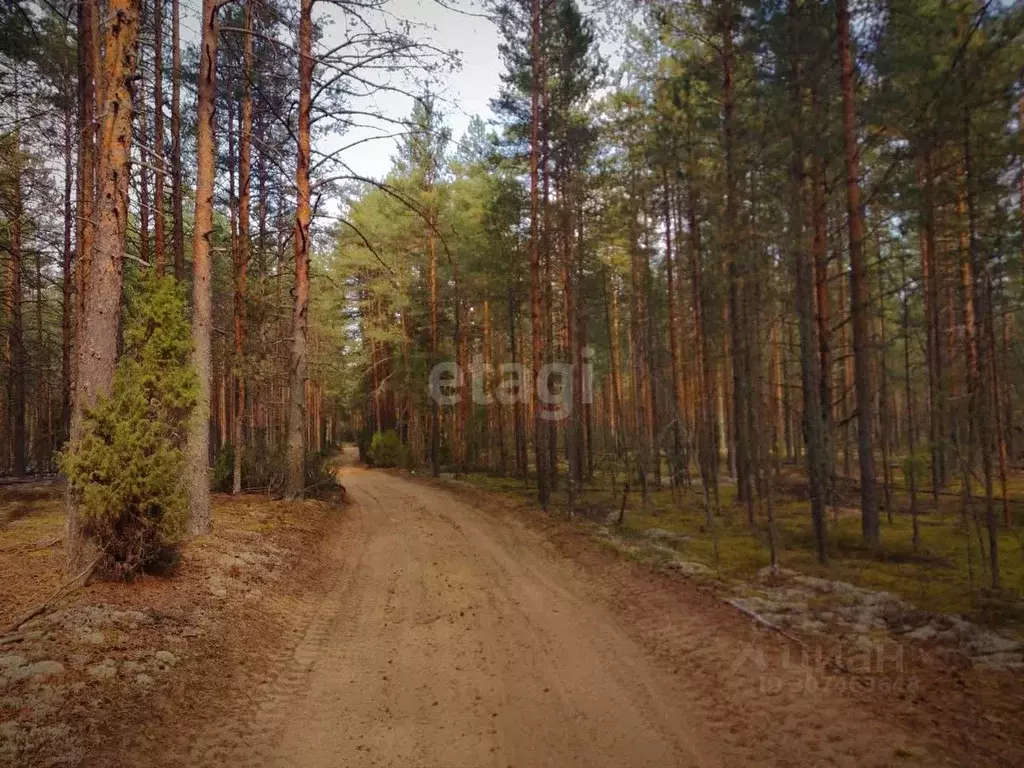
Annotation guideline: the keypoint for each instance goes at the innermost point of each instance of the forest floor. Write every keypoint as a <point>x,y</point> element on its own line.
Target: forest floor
<point>110,660</point>
<point>430,623</point>
<point>946,573</point>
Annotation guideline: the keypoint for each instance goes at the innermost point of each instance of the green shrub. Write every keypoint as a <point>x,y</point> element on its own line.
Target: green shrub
<point>363,439</point>
<point>125,470</point>
<point>385,449</point>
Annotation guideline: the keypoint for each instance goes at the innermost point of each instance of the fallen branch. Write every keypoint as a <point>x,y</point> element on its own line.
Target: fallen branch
<point>43,606</point>
<point>35,547</point>
<point>759,619</point>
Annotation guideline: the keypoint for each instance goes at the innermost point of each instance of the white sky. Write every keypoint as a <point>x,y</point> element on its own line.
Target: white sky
<point>462,94</point>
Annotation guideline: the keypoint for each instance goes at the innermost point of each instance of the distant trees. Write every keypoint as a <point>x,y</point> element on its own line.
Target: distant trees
<point>94,80</point>
<point>732,329</point>
<point>717,241</point>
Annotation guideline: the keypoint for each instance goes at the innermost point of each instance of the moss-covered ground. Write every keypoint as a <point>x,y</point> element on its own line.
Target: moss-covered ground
<point>948,572</point>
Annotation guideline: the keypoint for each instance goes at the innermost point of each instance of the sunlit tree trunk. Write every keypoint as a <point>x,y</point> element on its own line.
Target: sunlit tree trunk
<point>103,279</point>
<point>300,318</point>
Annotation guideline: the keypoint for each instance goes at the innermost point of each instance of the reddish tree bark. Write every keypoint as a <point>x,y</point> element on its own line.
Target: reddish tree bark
<point>300,318</point>
<point>103,278</point>
<point>859,293</point>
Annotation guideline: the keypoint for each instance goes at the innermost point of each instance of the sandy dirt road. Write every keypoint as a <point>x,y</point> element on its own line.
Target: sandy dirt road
<point>453,636</point>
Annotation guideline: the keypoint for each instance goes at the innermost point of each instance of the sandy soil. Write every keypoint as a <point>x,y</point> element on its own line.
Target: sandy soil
<point>448,635</point>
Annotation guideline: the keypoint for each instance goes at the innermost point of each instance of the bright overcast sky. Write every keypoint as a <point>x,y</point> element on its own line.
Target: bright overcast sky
<point>462,94</point>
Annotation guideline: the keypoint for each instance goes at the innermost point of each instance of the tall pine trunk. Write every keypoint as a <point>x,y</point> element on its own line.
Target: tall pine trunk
<point>86,181</point>
<point>819,248</point>
<point>435,410</point>
<point>241,253</point>
<point>859,293</point>
<point>980,388</point>
<point>739,405</point>
<point>707,444</point>
<point>300,318</point>
<point>539,430</point>
<point>67,262</point>
<point>930,283</point>
<point>15,328</point>
<point>678,454</point>
<point>814,426</point>
<point>103,280</point>
<point>202,299</point>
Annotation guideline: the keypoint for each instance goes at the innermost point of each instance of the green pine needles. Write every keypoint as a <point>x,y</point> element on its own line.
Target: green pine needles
<point>126,469</point>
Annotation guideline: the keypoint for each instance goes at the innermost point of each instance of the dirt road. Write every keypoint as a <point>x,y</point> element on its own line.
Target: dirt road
<point>457,637</point>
